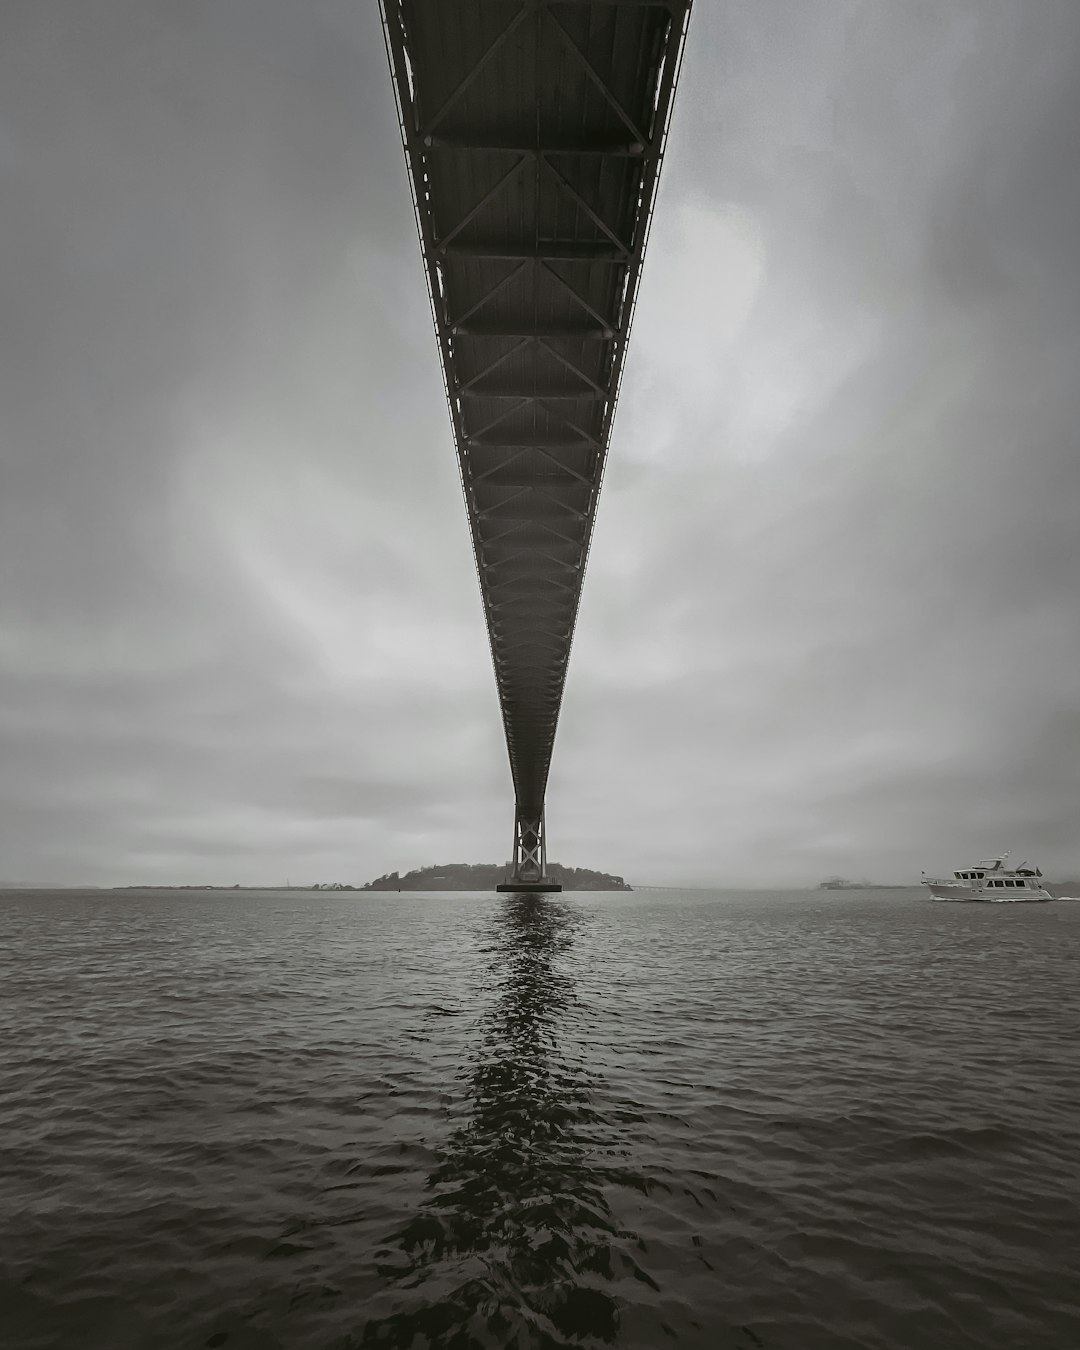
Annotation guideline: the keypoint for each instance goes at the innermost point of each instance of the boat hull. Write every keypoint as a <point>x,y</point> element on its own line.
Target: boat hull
<point>966,895</point>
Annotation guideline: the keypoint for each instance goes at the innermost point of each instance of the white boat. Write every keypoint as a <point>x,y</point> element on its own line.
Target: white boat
<point>992,882</point>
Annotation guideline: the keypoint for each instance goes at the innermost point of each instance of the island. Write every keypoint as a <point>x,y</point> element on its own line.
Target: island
<point>842,884</point>
<point>486,876</point>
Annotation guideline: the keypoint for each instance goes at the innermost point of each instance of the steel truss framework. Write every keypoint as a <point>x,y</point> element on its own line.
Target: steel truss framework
<point>534,131</point>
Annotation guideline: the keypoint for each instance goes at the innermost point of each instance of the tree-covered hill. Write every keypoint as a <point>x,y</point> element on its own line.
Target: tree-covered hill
<point>486,876</point>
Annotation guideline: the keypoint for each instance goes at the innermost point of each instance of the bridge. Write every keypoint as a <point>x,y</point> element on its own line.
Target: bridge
<point>534,132</point>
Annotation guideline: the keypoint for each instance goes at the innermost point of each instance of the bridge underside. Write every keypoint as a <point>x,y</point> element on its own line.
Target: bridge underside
<point>534,133</point>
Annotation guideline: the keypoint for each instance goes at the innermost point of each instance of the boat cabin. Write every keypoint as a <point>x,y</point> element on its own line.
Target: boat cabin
<point>995,875</point>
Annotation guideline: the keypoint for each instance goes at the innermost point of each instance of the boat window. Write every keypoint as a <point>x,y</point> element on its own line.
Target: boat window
<point>980,875</point>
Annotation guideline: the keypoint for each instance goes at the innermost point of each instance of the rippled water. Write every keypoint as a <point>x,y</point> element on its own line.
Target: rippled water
<point>701,1120</point>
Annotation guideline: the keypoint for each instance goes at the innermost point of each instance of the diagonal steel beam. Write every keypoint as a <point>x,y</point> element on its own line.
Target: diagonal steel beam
<point>565,506</point>
<point>534,683</point>
<point>572,291</point>
<point>548,581</point>
<point>455,324</point>
<point>498,506</point>
<point>473,437</point>
<point>529,522</point>
<point>493,365</point>
<point>531,553</point>
<point>568,188</point>
<point>564,636</point>
<point>573,368</point>
<point>489,539</point>
<point>601,84</point>
<point>587,436</point>
<point>546,602</point>
<point>502,464</point>
<point>537,643</point>
<point>565,467</point>
<point>489,196</point>
<point>460,89</point>
<point>566,538</point>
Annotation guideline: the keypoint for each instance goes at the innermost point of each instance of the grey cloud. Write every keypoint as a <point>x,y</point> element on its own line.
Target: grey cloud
<point>829,623</point>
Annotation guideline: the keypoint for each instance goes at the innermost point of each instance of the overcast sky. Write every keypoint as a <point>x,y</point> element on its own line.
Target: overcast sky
<point>832,616</point>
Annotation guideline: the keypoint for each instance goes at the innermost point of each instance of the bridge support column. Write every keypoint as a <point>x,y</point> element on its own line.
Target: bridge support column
<point>530,855</point>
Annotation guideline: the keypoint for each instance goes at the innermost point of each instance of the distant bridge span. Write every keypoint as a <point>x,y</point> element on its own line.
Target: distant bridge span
<point>534,132</point>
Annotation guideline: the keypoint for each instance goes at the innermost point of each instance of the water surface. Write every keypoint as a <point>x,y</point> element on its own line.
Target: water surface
<point>802,1121</point>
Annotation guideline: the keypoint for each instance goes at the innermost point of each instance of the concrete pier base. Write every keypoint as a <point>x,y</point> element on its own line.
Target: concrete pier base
<point>528,887</point>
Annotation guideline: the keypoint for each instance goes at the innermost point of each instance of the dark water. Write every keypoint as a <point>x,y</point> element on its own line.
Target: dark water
<point>660,1119</point>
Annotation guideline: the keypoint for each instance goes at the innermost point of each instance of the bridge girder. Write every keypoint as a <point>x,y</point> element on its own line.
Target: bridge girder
<point>534,131</point>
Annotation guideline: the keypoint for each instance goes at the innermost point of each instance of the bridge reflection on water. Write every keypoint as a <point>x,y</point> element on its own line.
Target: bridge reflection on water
<point>516,1244</point>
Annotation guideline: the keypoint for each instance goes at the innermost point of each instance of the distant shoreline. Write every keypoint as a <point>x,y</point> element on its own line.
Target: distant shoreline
<point>385,889</point>
<point>1066,887</point>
